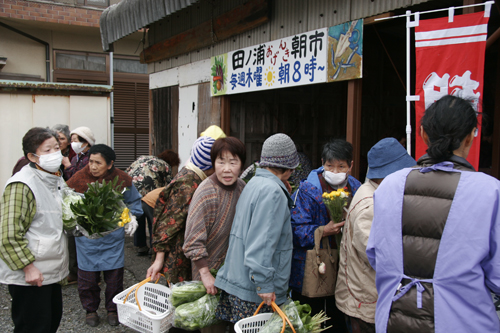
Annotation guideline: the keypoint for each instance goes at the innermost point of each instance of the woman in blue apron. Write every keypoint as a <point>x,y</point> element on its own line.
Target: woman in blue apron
<point>105,254</point>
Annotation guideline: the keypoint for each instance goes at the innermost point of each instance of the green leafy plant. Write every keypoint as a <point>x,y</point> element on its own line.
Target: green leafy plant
<point>101,207</point>
<point>218,74</point>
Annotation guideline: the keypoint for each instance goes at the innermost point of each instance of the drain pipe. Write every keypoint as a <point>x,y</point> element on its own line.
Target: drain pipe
<point>47,51</point>
<point>111,100</point>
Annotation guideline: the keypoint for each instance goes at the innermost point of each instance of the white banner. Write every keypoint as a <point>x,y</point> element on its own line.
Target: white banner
<point>287,62</point>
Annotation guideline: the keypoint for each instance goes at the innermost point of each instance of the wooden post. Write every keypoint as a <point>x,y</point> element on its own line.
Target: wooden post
<point>353,131</point>
<point>152,143</point>
<point>470,10</point>
<point>225,114</point>
<point>174,114</point>
<point>495,151</point>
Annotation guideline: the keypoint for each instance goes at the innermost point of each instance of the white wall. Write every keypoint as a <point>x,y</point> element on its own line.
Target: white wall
<point>188,120</point>
<point>20,112</point>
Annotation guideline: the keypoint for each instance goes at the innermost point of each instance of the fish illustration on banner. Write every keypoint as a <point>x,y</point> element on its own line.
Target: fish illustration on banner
<point>345,45</point>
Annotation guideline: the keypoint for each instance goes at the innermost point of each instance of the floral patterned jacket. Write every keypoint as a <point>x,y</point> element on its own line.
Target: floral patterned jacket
<point>169,224</point>
<point>149,173</point>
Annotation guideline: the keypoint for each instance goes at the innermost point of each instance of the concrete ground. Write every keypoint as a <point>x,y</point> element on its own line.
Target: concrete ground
<point>73,319</point>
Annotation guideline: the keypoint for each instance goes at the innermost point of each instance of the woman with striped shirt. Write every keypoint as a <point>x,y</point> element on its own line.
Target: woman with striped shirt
<point>212,210</point>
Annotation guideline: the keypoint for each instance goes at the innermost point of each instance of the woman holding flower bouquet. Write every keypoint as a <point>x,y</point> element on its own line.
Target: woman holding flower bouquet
<point>310,212</point>
<point>106,253</point>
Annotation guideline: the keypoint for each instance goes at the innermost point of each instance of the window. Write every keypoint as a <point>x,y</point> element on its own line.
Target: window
<point>81,62</point>
<point>129,66</point>
<point>131,96</point>
<point>96,3</point>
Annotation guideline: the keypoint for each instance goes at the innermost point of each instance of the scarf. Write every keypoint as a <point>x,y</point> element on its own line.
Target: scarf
<point>81,180</point>
<point>198,171</point>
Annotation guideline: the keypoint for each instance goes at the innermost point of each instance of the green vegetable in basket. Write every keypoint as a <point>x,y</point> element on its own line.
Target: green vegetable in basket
<point>275,323</point>
<point>198,314</point>
<point>187,292</point>
<point>300,317</point>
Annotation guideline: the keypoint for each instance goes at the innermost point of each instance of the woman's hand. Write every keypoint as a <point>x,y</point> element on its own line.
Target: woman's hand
<point>156,267</point>
<point>208,281</point>
<point>268,298</point>
<point>32,275</point>
<point>66,162</point>
<point>333,228</point>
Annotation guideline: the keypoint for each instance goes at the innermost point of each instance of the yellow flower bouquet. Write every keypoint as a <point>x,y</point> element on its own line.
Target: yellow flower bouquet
<point>335,202</point>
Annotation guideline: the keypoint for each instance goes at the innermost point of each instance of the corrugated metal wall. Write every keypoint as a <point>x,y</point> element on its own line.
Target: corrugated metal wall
<point>288,17</point>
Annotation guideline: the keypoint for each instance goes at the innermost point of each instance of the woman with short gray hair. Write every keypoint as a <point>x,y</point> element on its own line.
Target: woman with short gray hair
<point>64,139</point>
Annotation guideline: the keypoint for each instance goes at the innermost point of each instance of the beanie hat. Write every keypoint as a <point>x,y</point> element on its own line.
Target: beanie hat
<point>387,156</point>
<point>279,151</point>
<point>200,153</point>
<point>214,131</point>
<point>85,133</point>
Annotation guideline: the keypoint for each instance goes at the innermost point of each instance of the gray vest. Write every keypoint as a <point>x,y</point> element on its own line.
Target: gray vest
<point>46,239</point>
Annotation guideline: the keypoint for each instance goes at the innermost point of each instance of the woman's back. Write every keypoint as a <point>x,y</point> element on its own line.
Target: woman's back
<point>445,223</point>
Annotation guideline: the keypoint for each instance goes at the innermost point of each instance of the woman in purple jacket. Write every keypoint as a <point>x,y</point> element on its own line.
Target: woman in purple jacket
<point>434,241</point>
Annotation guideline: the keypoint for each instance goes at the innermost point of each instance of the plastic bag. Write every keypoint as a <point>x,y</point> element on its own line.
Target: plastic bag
<point>69,196</point>
<point>185,292</point>
<point>275,323</point>
<point>198,314</point>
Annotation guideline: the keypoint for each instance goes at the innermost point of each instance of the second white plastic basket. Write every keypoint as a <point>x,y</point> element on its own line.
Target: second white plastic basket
<point>157,313</point>
<point>252,324</point>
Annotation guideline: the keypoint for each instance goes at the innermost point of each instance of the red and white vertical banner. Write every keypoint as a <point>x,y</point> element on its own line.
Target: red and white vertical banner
<point>450,61</point>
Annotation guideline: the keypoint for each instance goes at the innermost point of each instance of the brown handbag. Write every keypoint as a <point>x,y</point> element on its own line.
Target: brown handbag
<point>315,284</point>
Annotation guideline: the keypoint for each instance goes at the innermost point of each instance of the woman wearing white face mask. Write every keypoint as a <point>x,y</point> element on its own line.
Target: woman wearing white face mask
<point>82,139</point>
<point>33,245</point>
<point>310,213</point>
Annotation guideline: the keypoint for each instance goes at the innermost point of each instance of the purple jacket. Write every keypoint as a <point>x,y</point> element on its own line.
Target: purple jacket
<point>77,164</point>
<point>467,267</point>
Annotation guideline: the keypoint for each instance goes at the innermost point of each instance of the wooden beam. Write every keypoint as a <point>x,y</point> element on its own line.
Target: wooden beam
<point>353,130</point>
<point>372,19</point>
<point>236,21</point>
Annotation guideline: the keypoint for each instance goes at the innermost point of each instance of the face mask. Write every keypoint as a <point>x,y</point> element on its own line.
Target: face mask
<point>77,147</point>
<point>50,162</point>
<point>334,179</point>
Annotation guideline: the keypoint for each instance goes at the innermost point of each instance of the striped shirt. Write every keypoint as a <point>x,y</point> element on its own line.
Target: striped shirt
<point>17,210</point>
<point>209,222</point>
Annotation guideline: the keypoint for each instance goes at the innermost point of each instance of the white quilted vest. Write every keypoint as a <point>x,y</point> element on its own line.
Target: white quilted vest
<point>46,239</point>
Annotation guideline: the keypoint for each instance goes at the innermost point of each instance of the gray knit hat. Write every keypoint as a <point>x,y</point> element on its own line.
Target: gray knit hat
<point>279,151</point>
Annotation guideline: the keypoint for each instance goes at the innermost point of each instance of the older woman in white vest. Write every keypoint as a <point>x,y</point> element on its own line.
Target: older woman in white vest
<point>33,247</point>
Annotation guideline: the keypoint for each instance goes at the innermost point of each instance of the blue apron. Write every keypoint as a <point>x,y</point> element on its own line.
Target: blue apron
<point>102,254</point>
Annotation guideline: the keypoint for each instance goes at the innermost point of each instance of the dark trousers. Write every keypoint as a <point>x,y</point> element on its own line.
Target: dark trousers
<point>89,290</point>
<point>360,326</point>
<point>73,262</point>
<point>140,233</point>
<point>36,309</point>
<point>327,304</point>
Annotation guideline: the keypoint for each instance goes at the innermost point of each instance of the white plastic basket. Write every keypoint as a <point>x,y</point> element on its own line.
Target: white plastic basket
<point>252,324</point>
<point>157,313</point>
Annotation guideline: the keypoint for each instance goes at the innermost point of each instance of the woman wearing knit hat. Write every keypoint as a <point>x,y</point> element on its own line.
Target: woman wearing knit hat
<point>259,256</point>
<point>82,139</point>
<point>171,213</point>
